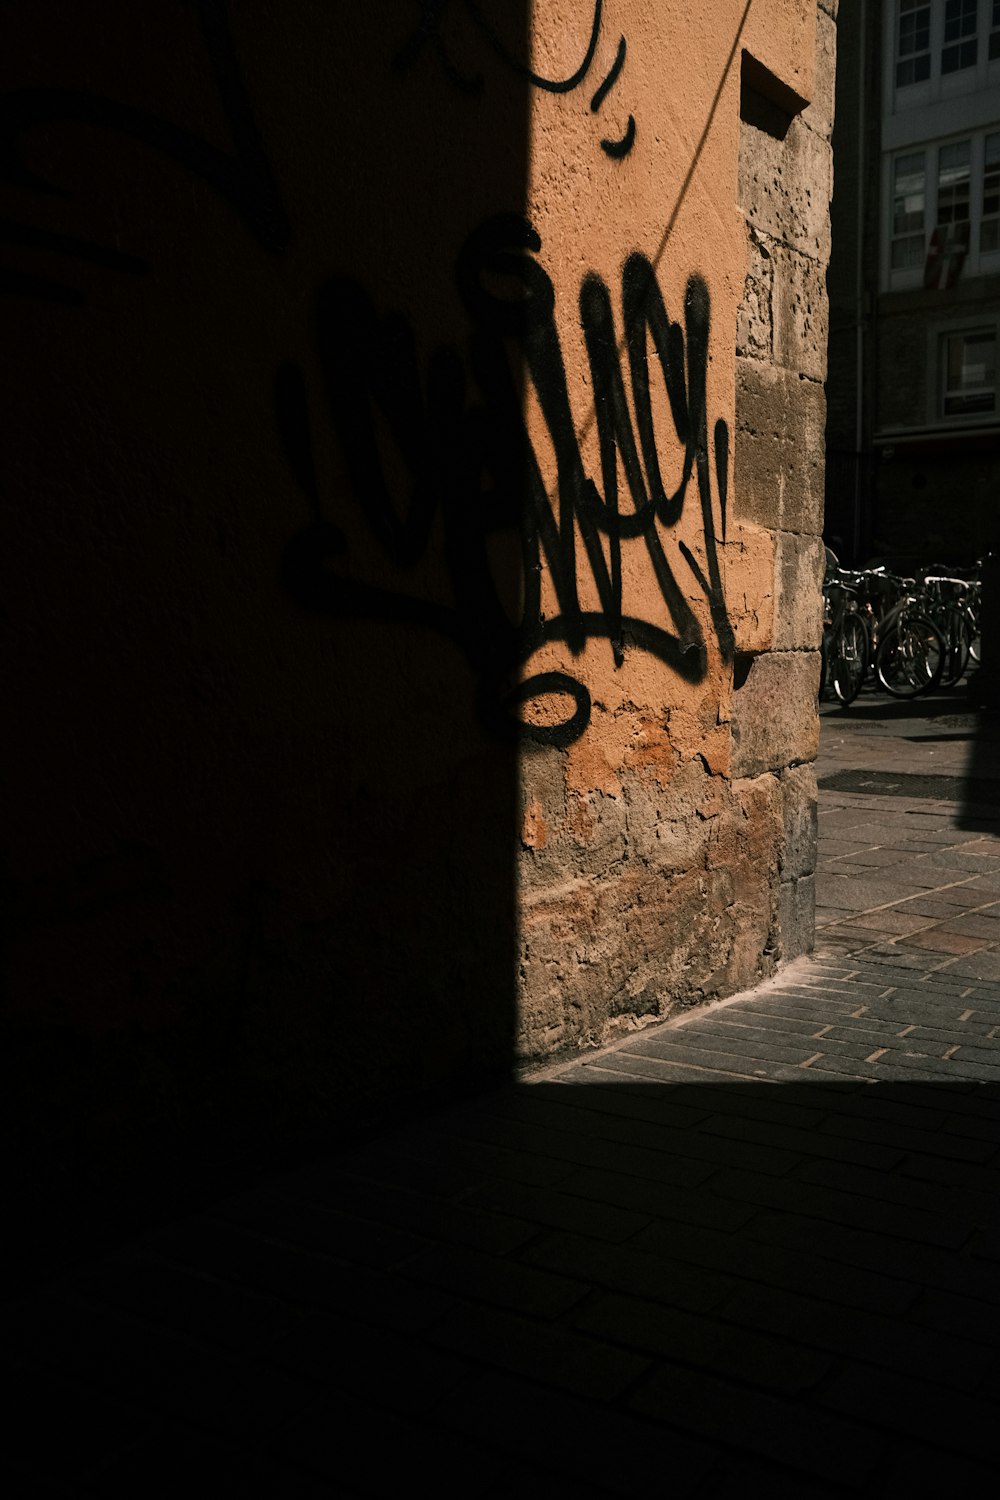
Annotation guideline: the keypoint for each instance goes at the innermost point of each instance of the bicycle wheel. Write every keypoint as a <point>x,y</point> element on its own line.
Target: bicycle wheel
<point>824,672</point>
<point>848,661</point>
<point>958,643</point>
<point>910,657</point>
<point>972,622</point>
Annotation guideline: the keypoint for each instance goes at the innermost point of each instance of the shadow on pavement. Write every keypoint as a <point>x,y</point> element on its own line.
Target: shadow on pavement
<point>946,718</point>
<point>981,793</point>
<point>566,1288</point>
<point>871,709</point>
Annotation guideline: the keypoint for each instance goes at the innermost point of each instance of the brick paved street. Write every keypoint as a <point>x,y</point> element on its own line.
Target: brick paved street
<point>757,1248</point>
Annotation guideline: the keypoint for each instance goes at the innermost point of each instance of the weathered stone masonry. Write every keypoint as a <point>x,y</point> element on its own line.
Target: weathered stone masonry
<point>675,863</point>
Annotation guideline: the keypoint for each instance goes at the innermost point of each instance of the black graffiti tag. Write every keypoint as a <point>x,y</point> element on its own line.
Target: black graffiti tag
<point>242,176</point>
<point>429,32</point>
<point>461,441</point>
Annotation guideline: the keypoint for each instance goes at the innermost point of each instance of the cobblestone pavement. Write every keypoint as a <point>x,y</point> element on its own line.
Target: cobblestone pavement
<point>756,1248</point>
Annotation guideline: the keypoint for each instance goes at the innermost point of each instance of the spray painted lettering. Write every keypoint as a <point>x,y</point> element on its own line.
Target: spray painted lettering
<point>430,33</point>
<point>463,445</point>
<point>242,176</point>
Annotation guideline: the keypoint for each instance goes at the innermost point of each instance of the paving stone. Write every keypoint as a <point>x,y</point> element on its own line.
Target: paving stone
<point>497,1281</point>
<point>978,1129</point>
<point>975,924</point>
<point>832,848</point>
<point>559,1210</point>
<point>660,1107</point>
<point>588,1441</point>
<point>944,901</point>
<point>916,1467</point>
<point>942,940</point>
<point>295,1276</point>
<point>770,1363</point>
<point>849,893</point>
<point>284,1272</point>
<point>704,1044</point>
<point>316,1228</point>
<point>484,1160</point>
<point>888,956</point>
<point>665,1070</point>
<point>797,1196</point>
<point>948,1199</point>
<point>916,1108</point>
<point>742,1026</point>
<point>634,1070</point>
<point>92,1424</point>
<point>987,1244</point>
<point>659,1200</point>
<point>894,920</point>
<point>985,965</point>
<point>805,1143</point>
<point>589,1152</point>
<point>873,858</point>
<point>234,1317</point>
<point>915,1265</point>
<point>814,1006</point>
<point>808,1441</point>
<point>396,1161</point>
<point>812,1273</point>
<point>172,1372</point>
<point>173,1453</point>
<point>935,1009</point>
<point>801,1111</point>
<point>964,1029</point>
<point>900,1136</point>
<point>888,1343</point>
<point>560,1357</point>
<point>961,1423</point>
<point>360,1446</point>
<point>953,1315</point>
<point>675,1283</point>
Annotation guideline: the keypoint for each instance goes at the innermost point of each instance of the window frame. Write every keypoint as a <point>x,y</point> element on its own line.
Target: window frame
<point>946,337</point>
<point>917,58</point>
<point>961,47</point>
<point>901,236</point>
<point>910,80</point>
<point>990,217</point>
<point>977,259</point>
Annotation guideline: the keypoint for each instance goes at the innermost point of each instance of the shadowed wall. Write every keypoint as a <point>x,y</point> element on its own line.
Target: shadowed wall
<point>411,583</point>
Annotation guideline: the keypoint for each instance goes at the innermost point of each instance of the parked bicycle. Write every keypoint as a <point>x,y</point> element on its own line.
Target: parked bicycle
<point>880,625</point>
<point>846,645</point>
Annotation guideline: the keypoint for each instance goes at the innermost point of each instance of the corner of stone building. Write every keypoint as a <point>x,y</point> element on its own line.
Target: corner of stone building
<point>668,858</point>
<point>785,187</point>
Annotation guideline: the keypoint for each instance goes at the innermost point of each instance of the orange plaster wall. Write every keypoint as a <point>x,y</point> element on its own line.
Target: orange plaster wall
<point>674,198</point>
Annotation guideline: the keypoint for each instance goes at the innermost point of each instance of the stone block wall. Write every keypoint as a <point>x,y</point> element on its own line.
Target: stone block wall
<point>671,860</point>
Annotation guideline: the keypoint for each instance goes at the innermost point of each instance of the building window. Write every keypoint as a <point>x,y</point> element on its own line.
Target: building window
<point>913,42</point>
<point>960,44</point>
<point>943,213</point>
<point>954,171</point>
<point>970,373</point>
<point>994,49</point>
<point>989,229</point>
<point>908,213</point>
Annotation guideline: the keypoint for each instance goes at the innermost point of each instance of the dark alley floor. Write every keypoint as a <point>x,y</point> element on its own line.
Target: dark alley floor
<point>756,1248</point>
